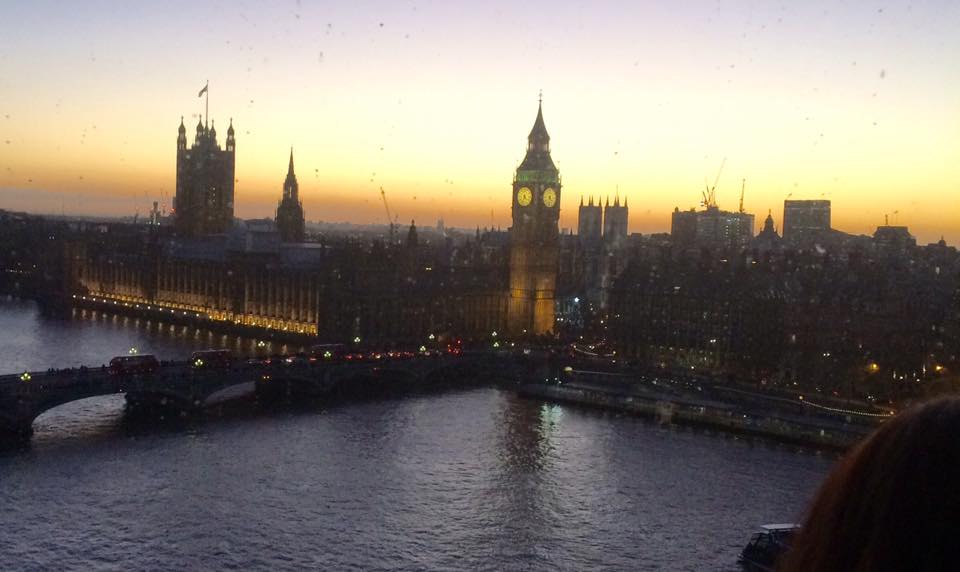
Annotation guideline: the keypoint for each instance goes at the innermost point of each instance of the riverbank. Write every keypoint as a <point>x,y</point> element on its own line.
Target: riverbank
<point>809,430</point>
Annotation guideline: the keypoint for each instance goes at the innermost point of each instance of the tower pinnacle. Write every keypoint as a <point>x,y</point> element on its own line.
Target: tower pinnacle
<point>289,218</point>
<point>538,146</point>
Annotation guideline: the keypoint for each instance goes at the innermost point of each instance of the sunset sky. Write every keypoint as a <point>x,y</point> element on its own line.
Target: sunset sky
<point>858,103</point>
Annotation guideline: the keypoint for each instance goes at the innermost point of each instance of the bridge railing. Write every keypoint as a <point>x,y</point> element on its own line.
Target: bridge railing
<point>174,370</point>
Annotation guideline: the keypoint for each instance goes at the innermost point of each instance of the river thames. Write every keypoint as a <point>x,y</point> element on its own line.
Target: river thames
<point>465,480</point>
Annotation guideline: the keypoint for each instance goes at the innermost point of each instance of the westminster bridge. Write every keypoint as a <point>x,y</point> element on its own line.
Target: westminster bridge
<point>180,387</point>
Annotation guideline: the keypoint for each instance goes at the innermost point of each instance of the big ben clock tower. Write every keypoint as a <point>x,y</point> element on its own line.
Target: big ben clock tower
<point>534,237</point>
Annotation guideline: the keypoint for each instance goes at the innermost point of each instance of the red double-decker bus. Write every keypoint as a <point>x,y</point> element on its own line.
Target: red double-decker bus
<point>212,359</point>
<point>327,352</point>
<point>139,364</point>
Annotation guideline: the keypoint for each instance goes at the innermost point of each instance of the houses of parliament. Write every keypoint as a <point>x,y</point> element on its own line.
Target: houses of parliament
<point>265,274</point>
<point>708,296</point>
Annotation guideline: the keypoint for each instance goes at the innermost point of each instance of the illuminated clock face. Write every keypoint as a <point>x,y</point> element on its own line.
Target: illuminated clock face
<point>549,197</point>
<point>524,196</point>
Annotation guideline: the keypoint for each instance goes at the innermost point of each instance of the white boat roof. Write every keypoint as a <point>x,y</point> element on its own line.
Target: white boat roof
<point>784,526</point>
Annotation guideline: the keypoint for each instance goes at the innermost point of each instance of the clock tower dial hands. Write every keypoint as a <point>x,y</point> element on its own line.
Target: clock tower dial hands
<point>524,196</point>
<point>549,197</point>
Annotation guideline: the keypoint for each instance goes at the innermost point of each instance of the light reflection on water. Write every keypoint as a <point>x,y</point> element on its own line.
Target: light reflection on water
<point>36,341</point>
<point>466,480</point>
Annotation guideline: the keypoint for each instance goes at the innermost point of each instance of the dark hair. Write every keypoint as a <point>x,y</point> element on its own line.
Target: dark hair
<point>893,503</point>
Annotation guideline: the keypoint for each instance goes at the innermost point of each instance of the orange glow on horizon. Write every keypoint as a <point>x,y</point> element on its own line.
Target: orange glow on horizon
<point>440,120</point>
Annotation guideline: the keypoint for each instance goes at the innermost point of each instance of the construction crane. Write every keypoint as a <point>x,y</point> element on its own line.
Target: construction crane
<point>710,194</point>
<point>390,218</point>
<point>743,187</point>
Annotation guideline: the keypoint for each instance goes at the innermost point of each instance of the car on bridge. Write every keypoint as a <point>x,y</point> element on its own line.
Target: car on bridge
<point>296,359</point>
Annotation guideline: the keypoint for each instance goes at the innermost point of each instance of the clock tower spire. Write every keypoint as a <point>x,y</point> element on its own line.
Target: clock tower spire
<point>534,236</point>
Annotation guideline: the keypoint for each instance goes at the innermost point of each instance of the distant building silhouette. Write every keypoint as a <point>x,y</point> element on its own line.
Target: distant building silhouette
<point>768,239</point>
<point>614,223</point>
<point>289,218</point>
<point>615,218</point>
<point>203,203</point>
<point>601,253</point>
<point>711,228</point>
<point>590,241</point>
<point>590,224</point>
<point>805,221</point>
<point>534,237</point>
<point>683,227</point>
<point>893,240</point>
<point>412,240</point>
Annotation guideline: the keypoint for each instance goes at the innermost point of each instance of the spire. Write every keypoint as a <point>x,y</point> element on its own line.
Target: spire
<point>538,147</point>
<point>591,200</point>
<point>581,200</point>
<point>231,142</point>
<point>290,187</point>
<point>200,125</point>
<point>412,235</point>
<point>181,136</point>
<point>624,201</point>
<point>539,135</point>
<point>608,200</point>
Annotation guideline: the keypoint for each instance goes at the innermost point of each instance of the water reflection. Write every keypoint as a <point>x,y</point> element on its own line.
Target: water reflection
<point>525,440</point>
<point>466,480</point>
<point>36,340</point>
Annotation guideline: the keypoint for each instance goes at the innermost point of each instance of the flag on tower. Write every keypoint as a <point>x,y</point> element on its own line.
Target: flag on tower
<point>204,90</point>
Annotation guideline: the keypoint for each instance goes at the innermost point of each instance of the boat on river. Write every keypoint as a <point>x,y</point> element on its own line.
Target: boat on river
<point>767,546</point>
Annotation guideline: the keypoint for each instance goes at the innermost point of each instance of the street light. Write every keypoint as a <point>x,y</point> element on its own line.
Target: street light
<point>25,376</point>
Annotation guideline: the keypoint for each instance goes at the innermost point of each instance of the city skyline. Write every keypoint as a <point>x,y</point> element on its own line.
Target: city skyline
<point>853,105</point>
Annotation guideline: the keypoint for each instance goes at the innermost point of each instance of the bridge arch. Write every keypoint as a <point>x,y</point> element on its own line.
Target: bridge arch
<point>240,388</point>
